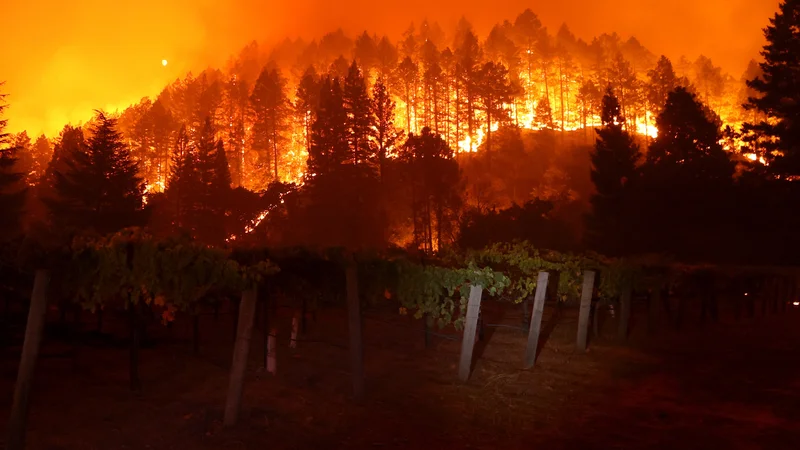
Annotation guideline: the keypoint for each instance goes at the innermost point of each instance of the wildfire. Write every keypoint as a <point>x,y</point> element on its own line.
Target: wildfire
<point>251,227</point>
<point>755,158</point>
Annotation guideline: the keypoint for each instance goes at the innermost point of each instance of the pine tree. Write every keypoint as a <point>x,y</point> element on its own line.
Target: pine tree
<point>307,102</point>
<point>270,108</point>
<point>184,182</point>
<point>494,91</point>
<point>662,81</point>
<point>469,56</point>
<point>688,143</point>
<point>432,175</point>
<point>200,185</point>
<point>778,99</point>
<point>544,114</point>
<point>709,79</point>
<point>12,195</point>
<point>385,133</point>
<point>360,121</point>
<point>406,76</point>
<point>42,153</point>
<point>366,52</point>
<point>21,144</point>
<point>100,188</point>
<point>613,171</point>
<point>685,202</point>
<point>329,133</point>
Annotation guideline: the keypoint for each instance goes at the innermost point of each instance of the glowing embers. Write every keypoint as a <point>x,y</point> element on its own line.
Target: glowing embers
<point>755,158</point>
<point>257,221</point>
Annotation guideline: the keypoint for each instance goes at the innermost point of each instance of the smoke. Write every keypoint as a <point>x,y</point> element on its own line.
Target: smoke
<point>61,60</point>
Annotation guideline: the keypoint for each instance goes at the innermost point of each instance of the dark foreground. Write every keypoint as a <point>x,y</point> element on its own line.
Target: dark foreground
<point>727,385</point>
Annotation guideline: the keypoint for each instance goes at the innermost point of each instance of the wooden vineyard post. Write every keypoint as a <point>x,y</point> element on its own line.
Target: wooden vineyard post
<point>241,349</point>
<point>536,319</point>
<point>272,347</point>
<point>470,330</point>
<point>354,329</point>
<point>625,308</point>
<point>30,351</point>
<point>586,307</point>
<point>295,326</point>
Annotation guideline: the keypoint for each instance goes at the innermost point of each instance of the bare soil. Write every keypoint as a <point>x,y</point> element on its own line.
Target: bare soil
<point>727,385</point>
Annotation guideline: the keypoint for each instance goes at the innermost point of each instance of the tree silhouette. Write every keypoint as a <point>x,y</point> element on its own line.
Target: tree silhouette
<point>495,92</point>
<point>270,108</point>
<point>366,52</point>
<point>688,143</point>
<point>406,76</point>
<point>360,121</point>
<point>662,80</point>
<point>614,170</point>
<point>21,144</point>
<point>685,199</point>
<point>329,134</point>
<point>200,186</point>
<point>42,152</point>
<point>307,102</point>
<point>100,188</point>
<point>12,195</point>
<point>468,59</point>
<point>432,175</point>
<point>778,133</point>
<point>385,133</point>
<point>544,114</point>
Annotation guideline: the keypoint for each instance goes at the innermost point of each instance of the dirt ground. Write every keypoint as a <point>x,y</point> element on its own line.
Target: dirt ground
<point>727,385</point>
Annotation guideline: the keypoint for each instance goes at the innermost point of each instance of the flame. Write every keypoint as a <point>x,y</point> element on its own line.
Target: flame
<point>251,227</point>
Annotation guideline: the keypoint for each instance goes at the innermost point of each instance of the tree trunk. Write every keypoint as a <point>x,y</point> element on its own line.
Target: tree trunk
<point>18,418</point>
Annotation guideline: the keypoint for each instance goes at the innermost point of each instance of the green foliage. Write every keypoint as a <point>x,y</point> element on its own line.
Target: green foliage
<point>131,266</point>
<point>522,262</point>
<point>436,291</point>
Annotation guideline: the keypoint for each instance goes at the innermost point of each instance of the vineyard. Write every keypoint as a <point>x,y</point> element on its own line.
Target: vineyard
<point>324,314</point>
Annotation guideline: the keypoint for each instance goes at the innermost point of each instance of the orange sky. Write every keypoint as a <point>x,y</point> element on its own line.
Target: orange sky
<point>61,59</point>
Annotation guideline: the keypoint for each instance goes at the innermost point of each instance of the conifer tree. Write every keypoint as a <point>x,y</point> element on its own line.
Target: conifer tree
<point>613,171</point>
<point>777,133</point>
<point>360,121</point>
<point>42,153</point>
<point>184,181</point>
<point>330,147</point>
<point>494,90</point>
<point>688,143</point>
<point>385,133</point>
<point>12,195</point>
<point>544,114</point>
<point>100,188</point>
<point>270,108</point>
<point>662,81</point>
<point>307,102</point>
